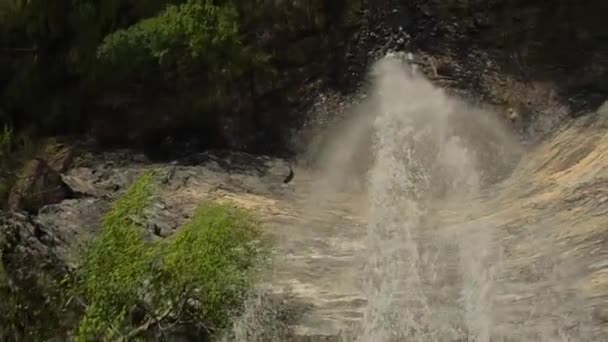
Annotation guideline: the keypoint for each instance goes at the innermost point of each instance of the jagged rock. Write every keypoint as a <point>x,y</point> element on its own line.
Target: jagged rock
<point>37,185</point>
<point>276,312</point>
<point>160,221</point>
<point>82,186</point>
<point>58,155</point>
<point>24,247</point>
<point>30,282</point>
<point>102,181</point>
<point>72,223</point>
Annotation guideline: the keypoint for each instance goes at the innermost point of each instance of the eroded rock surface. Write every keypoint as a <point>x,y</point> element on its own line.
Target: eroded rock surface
<point>37,185</point>
<point>548,223</point>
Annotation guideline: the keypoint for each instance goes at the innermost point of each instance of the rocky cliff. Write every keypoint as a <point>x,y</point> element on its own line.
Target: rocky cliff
<point>546,61</point>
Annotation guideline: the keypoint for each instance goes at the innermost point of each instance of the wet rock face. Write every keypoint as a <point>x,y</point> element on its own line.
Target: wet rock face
<point>37,185</point>
<point>25,246</point>
<point>30,274</point>
<point>72,211</point>
<point>72,223</point>
<point>36,246</point>
<point>550,58</point>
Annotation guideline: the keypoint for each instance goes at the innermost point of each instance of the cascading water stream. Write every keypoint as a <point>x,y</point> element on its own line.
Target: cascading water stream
<point>460,242</point>
<point>412,280</point>
<point>429,279</point>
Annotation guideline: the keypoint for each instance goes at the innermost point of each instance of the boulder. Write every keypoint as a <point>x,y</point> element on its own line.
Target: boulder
<point>30,278</point>
<point>37,185</point>
<point>73,224</point>
<point>25,247</point>
<point>60,156</point>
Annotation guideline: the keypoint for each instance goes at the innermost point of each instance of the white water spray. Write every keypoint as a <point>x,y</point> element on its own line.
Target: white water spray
<point>423,286</point>
<point>452,247</point>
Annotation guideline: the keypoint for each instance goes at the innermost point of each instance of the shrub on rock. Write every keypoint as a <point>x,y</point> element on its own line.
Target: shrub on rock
<point>192,283</point>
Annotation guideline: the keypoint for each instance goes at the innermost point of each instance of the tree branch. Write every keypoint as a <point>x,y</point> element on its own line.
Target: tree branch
<point>151,321</point>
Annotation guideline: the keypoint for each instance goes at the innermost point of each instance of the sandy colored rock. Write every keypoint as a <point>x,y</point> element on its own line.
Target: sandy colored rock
<point>37,185</point>
<point>59,155</point>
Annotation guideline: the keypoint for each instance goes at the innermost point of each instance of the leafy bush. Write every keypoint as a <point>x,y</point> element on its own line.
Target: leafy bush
<point>220,72</point>
<point>196,281</point>
<point>211,260</point>
<point>199,35</point>
<point>116,265</point>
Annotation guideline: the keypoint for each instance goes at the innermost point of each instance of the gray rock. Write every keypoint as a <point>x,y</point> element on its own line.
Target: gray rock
<point>38,185</point>
<point>27,255</point>
<point>72,224</point>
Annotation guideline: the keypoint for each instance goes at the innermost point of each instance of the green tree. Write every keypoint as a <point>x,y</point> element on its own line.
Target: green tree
<point>48,50</point>
<point>221,71</point>
<point>195,281</point>
<point>116,265</point>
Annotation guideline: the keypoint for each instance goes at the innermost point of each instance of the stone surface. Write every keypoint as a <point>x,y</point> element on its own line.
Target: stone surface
<point>37,185</point>
<point>553,205</point>
<point>72,223</point>
<point>25,244</point>
<point>59,156</point>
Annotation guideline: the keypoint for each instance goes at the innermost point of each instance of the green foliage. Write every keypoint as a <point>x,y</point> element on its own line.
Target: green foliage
<point>210,66</point>
<point>130,287</point>
<point>197,39</point>
<point>212,259</point>
<point>197,279</point>
<point>116,264</point>
<point>49,53</point>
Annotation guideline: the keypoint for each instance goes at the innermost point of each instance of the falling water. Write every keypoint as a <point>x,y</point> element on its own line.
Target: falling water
<point>421,286</point>
<point>460,241</point>
<point>434,280</point>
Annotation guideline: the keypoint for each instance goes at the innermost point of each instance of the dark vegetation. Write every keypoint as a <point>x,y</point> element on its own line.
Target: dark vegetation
<point>499,49</point>
<point>163,74</point>
<point>157,76</point>
<point>214,73</point>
